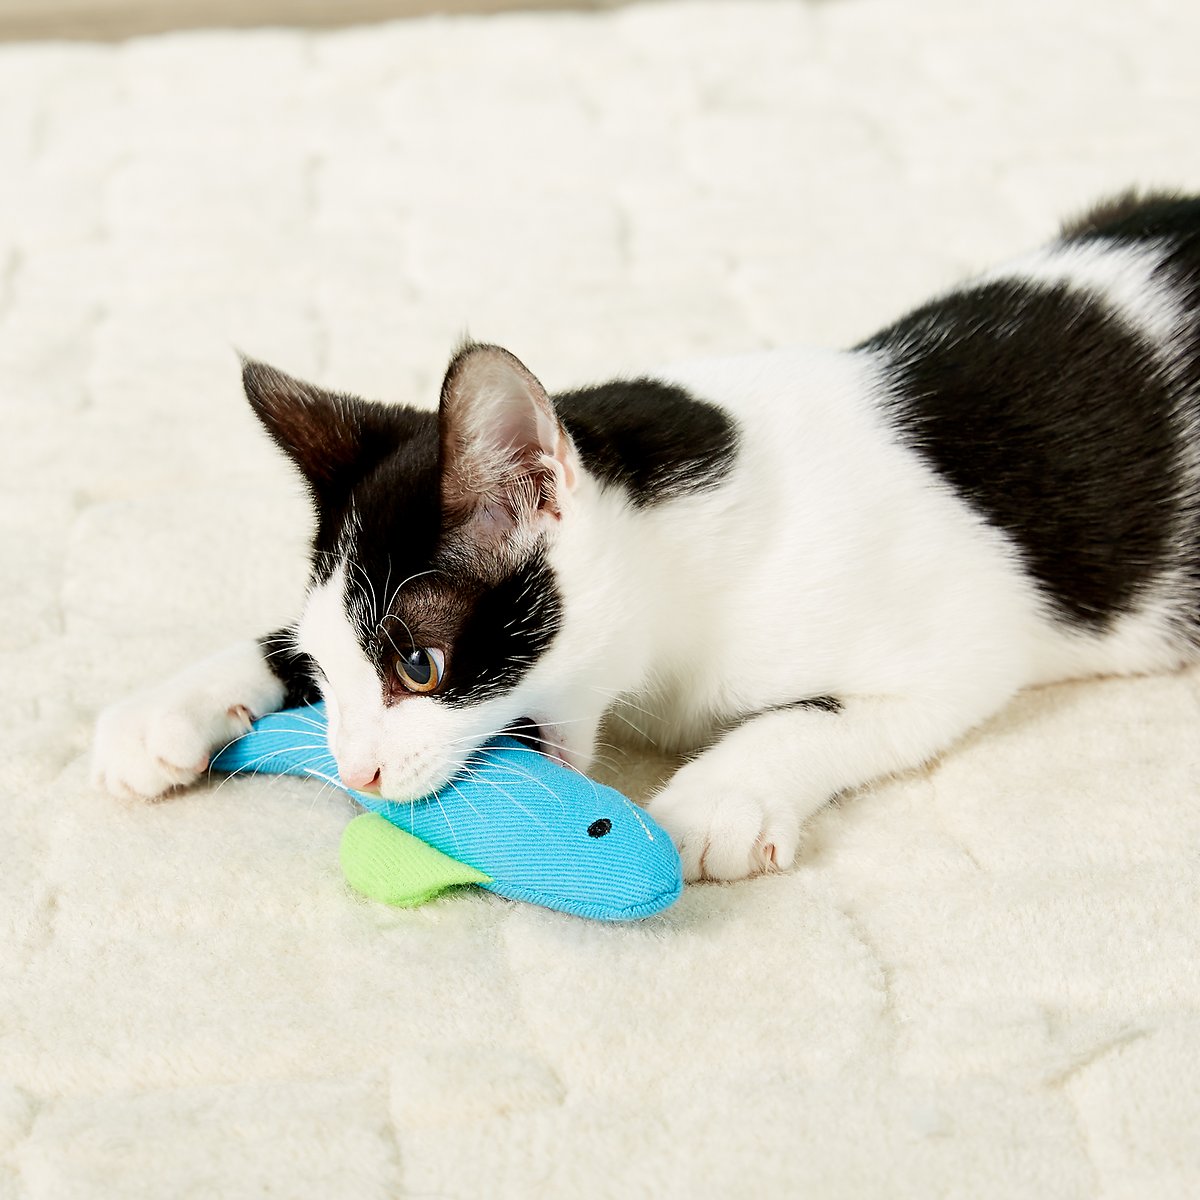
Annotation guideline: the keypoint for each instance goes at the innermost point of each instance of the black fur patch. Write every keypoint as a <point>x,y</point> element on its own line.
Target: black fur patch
<point>1052,419</point>
<point>825,704</point>
<point>1134,217</point>
<point>653,439</point>
<point>412,584</point>
<point>349,451</point>
<point>335,439</point>
<point>510,625</point>
<point>829,704</point>
<point>294,670</point>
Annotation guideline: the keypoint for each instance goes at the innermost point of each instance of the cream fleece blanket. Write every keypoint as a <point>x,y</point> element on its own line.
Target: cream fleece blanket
<point>979,982</point>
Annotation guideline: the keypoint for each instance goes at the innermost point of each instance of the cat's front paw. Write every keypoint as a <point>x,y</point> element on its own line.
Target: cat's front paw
<point>724,828</point>
<point>163,738</point>
<point>144,748</point>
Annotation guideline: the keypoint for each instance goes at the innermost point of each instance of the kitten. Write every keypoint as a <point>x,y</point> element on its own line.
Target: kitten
<point>825,567</point>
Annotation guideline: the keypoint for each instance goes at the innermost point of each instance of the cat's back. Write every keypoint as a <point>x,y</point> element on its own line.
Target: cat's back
<point>1017,461</point>
<point>1059,397</point>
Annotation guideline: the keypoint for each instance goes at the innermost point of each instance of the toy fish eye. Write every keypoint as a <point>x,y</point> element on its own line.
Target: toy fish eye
<point>599,827</point>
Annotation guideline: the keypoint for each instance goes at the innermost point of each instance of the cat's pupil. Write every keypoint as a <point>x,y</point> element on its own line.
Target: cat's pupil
<point>418,666</point>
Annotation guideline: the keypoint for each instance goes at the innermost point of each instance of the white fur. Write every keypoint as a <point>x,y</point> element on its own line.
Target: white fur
<point>1126,277</point>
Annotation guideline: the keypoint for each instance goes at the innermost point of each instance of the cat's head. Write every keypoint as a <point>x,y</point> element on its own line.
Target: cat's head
<point>433,604</point>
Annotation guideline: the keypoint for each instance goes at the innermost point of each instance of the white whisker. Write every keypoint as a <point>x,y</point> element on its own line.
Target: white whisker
<point>463,797</point>
<point>511,770</point>
<point>255,766</point>
<point>450,823</point>
<point>484,780</point>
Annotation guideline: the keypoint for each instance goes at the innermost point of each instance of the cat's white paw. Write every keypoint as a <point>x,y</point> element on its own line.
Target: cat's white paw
<point>163,738</point>
<point>143,749</point>
<point>724,828</point>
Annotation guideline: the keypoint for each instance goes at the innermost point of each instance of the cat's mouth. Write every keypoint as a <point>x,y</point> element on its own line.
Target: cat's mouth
<point>542,736</point>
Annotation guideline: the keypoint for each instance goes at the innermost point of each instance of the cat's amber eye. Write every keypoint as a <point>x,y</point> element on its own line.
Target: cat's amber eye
<point>421,668</point>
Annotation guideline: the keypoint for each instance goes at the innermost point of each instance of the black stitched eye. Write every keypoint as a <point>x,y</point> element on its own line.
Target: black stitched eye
<point>599,828</point>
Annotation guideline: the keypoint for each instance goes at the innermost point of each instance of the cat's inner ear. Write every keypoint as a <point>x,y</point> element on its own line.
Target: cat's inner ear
<point>508,465</point>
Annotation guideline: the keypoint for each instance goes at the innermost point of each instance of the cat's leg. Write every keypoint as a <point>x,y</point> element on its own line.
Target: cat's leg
<point>162,738</point>
<point>739,807</point>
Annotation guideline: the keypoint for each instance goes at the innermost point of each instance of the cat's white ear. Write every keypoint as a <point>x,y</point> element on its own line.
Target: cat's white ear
<point>508,465</point>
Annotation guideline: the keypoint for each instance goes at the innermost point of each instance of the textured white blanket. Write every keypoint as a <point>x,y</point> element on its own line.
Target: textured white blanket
<point>983,981</point>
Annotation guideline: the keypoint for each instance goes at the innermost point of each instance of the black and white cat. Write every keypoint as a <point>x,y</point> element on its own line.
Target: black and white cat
<point>824,567</point>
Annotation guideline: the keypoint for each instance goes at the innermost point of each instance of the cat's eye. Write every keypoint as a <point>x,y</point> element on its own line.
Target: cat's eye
<point>421,669</point>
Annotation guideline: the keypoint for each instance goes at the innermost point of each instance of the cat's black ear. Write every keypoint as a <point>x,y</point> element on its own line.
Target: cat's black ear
<point>331,437</point>
<point>508,465</point>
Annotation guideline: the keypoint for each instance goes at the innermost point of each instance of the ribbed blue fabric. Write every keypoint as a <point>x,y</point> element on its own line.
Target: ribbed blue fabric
<point>515,815</point>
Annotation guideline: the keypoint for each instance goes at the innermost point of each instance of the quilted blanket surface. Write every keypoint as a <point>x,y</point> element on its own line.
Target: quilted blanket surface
<point>982,980</point>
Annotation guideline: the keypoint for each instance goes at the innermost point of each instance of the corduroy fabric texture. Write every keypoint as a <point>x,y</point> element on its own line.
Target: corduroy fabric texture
<point>528,823</point>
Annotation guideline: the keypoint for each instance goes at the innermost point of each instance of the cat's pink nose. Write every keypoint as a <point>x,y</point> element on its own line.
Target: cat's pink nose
<point>360,778</point>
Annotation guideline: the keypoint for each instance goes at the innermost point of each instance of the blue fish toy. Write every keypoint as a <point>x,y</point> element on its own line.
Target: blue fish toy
<point>518,824</point>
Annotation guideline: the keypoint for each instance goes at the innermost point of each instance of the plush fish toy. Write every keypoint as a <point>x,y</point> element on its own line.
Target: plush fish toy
<point>516,823</point>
